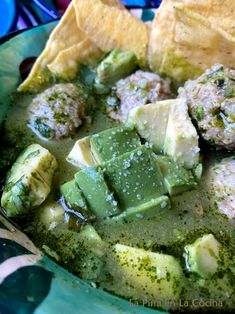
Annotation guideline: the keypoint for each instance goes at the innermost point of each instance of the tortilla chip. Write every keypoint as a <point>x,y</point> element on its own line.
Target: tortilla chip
<point>65,35</point>
<point>219,13</point>
<point>109,27</point>
<point>63,51</point>
<point>65,65</point>
<point>184,42</point>
<point>114,3</point>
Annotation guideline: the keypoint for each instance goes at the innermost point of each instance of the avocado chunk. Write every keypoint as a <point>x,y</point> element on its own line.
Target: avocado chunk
<point>177,178</point>
<point>93,240</point>
<point>100,199</point>
<point>113,142</point>
<point>145,274</point>
<point>73,196</point>
<point>39,159</point>
<point>203,256</point>
<point>51,214</point>
<point>25,193</point>
<point>80,155</point>
<point>181,141</point>
<point>147,210</point>
<point>29,181</point>
<point>118,64</point>
<point>151,121</point>
<point>135,177</point>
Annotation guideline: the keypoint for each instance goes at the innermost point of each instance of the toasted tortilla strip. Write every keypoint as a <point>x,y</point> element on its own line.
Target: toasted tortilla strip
<point>65,65</point>
<point>109,27</point>
<point>65,35</point>
<point>184,42</point>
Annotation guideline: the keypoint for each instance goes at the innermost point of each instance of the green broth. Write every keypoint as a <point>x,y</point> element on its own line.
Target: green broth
<point>191,215</point>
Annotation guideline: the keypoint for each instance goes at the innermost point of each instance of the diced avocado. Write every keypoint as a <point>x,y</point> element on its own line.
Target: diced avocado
<point>149,275</point>
<point>73,196</point>
<point>93,240</point>
<point>80,154</point>
<point>118,64</point>
<point>29,180</point>
<point>25,193</point>
<point>135,178</point>
<point>146,210</point>
<point>202,257</point>
<point>51,213</point>
<point>39,159</point>
<point>181,142</point>
<point>101,89</point>
<point>113,142</point>
<point>151,122</point>
<point>100,199</point>
<point>177,178</point>
<point>197,171</point>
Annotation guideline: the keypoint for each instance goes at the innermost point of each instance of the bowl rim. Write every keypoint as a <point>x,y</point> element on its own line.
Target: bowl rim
<point>13,34</point>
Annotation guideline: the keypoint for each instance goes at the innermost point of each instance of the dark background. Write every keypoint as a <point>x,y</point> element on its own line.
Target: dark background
<point>20,14</point>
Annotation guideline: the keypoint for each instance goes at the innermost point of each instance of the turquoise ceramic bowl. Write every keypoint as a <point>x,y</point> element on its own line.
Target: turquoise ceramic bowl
<point>29,282</point>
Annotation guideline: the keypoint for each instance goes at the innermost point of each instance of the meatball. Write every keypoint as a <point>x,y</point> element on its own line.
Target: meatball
<point>211,102</point>
<point>139,89</point>
<point>222,186</point>
<point>58,111</point>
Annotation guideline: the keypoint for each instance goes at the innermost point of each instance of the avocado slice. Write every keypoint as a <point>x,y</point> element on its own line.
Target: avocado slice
<point>135,177</point>
<point>118,64</point>
<point>113,142</point>
<point>38,159</point>
<point>146,274</point>
<point>100,199</point>
<point>24,192</point>
<point>73,196</point>
<point>181,141</point>
<point>80,155</point>
<point>203,256</point>
<point>151,121</point>
<point>177,178</point>
<point>29,181</point>
<point>147,210</point>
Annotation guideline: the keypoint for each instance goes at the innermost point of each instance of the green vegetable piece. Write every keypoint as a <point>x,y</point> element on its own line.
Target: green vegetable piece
<point>73,196</point>
<point>147,274</point>
<point>100,199</point>
<point>29,181</point>
<point>25,193</point>
<point>135,177</point>
<point>39,159</point>
<point>80,155</point>
<point>118,64</point>
<point>93,240</point>
<point>151,121</point>
<point>147,210</point>
<point>113,142</point>
<point>177,178</point>
<point>203,256</point>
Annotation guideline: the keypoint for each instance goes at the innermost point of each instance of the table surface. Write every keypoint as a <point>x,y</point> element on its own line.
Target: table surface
<point>20,14</point>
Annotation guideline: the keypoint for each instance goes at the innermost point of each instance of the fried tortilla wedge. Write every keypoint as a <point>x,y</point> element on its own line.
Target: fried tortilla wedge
<point>184,42</point>
<point>220,13</point>
<point>66,49</point>
<point>65,65</point>
<point>110,27</point>
<point>65,34</point>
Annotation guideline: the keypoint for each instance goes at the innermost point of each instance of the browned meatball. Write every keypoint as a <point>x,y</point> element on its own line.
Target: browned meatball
<point>139,89</point>
<point>211,102</point>
<point>221,178</point>
<point>58,111</point>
